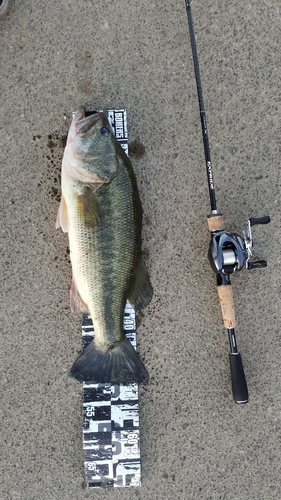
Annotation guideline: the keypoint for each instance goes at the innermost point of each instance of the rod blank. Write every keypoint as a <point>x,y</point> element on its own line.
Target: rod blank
<point>202,111</point>
<point>215,224</point>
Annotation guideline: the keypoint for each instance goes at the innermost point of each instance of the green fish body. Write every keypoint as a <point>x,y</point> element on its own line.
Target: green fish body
<point>101,211</point>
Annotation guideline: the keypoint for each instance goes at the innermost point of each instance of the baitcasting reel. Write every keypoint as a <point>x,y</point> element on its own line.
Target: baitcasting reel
<point>229,252</point>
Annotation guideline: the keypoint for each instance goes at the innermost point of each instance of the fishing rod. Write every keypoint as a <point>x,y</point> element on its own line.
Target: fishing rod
<point>228,252</point>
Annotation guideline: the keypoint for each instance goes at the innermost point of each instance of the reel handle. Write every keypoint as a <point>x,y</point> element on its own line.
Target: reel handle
<point>259,220</point>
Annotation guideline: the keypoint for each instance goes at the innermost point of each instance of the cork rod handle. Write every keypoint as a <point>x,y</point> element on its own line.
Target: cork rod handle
<point>227,306</point>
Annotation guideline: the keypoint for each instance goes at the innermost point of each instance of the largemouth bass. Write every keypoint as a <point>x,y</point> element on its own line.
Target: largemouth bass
<point>101,210</point>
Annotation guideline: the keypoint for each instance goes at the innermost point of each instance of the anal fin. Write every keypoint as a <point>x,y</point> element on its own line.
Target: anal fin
<point>76,303</point>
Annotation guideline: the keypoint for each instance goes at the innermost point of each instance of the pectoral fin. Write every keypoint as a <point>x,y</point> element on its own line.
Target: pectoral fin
<point>62,217</point>
<point>88,208</point>
<point>142,291</point>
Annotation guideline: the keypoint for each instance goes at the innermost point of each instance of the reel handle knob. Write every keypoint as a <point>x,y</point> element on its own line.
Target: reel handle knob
<point>238,379</point>
<point>259,220</point>
<point>258,264</point>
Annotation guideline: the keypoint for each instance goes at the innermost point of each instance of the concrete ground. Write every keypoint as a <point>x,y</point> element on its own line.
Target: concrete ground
<point>196,443</point>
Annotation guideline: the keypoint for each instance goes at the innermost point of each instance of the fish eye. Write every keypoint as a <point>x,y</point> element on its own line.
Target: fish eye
<point>104,131</point>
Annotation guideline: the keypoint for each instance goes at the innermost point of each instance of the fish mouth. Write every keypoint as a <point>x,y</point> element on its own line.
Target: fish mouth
<point>85,121</point>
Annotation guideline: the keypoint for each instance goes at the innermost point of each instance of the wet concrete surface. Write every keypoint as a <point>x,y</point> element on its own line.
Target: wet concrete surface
<point>196,443</point>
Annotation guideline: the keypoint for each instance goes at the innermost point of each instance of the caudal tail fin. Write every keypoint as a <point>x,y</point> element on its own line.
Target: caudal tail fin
<point>118,363</point>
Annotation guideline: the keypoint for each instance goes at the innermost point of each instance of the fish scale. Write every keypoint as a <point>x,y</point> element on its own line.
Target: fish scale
<point>112,261</point>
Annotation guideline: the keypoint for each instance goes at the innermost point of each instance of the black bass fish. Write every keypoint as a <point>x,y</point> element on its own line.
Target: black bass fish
<point>101,210</point>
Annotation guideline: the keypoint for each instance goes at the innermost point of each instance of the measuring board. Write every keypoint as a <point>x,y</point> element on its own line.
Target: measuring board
<point>111,411</point>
